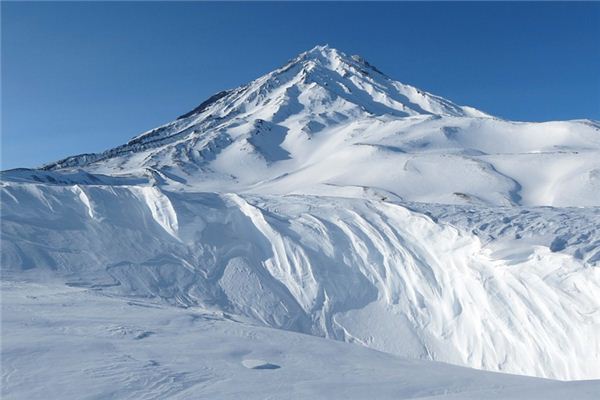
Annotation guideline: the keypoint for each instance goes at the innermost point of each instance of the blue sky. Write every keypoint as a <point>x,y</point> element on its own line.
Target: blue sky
<point>84,77</point>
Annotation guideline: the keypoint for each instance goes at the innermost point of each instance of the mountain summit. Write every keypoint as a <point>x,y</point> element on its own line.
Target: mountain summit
<point>329,123</point>
<point>320,86</point>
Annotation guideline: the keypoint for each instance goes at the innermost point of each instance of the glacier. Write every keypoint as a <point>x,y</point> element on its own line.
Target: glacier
<point>322,200</point>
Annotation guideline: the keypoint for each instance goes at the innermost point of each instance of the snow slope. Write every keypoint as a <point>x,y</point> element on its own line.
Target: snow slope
<point>326,198</point>
<point>357,270</point>
<point>103,347</point>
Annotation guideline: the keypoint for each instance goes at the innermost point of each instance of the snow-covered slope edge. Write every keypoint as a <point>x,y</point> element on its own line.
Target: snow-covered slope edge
<point>357,270</point>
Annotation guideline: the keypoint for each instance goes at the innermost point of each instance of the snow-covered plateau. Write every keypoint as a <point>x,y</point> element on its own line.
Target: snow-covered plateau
<point>231,252</point>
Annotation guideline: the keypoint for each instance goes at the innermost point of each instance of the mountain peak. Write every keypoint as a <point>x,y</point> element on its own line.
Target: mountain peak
<point>321,48</point>
<point>320,87</point>
<point>330,58</point>
<point>322,51</point>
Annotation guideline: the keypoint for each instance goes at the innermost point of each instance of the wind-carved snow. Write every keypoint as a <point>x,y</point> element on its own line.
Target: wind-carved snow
<point>161,208</point>
<point>327,198</point>
<point>350,269</point>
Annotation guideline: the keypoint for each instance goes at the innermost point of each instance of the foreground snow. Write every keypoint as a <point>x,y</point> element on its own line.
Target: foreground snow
<point>83,345</point>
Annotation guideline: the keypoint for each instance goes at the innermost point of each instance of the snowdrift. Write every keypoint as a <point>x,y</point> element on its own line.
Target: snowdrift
<point>364,271</point>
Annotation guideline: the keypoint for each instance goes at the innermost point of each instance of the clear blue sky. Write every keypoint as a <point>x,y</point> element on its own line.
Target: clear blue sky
<point>84,77</point>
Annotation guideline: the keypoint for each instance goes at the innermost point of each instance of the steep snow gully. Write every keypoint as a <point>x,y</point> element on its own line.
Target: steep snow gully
<point>326,198</point>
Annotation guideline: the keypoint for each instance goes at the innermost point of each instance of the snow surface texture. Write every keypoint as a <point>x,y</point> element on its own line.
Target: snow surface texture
<point>79,344</point>
<point>357,270</point>
<point>322,198</point>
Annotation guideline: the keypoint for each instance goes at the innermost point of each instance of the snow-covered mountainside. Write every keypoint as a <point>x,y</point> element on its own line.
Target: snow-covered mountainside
<point>326,198</point>
<point>326,123</point>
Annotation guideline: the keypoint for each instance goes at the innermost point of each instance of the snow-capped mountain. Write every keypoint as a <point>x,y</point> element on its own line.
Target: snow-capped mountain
<point>319,88</point>
<point>327,198</point>
<point>328,123</point>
